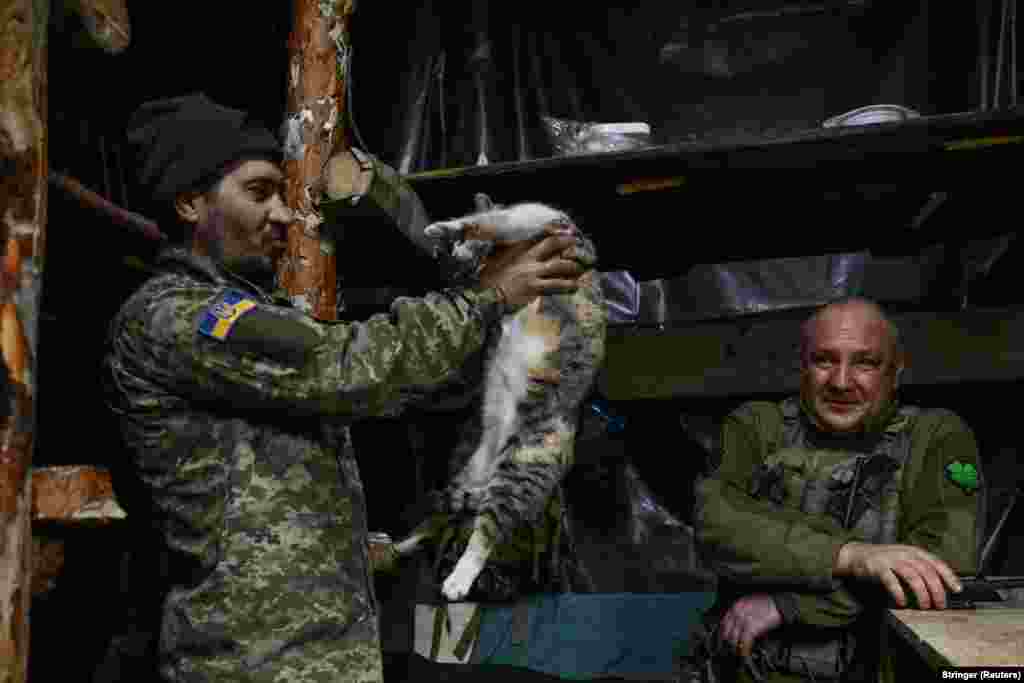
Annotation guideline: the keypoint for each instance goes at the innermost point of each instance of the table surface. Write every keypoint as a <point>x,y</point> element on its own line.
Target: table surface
<point>986,636</point>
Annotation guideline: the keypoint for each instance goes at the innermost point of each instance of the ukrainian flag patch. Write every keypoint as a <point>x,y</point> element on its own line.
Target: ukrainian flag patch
<point>223,313</point>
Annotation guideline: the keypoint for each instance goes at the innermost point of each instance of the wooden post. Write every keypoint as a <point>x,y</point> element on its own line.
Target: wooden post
<point>318,50</point>
<point>23,27</point>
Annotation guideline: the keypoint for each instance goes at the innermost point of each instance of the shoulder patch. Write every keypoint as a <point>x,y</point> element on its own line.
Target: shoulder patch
<point>224,312</point>
<point>245,324</point>
<point>963,475</point>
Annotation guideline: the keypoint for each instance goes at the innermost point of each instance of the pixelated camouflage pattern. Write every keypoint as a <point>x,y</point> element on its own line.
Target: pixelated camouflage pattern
<point>792,541</point>
<point>256,495</point>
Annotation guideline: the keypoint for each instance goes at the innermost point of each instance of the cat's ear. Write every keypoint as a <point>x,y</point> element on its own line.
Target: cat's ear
<point>483,202</point>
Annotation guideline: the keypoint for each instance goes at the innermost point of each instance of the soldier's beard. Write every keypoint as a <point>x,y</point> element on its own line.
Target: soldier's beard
<point>257,269</point>
<point>213,233</point>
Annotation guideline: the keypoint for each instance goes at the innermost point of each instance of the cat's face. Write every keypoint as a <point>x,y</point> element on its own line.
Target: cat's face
<point>462,260</point>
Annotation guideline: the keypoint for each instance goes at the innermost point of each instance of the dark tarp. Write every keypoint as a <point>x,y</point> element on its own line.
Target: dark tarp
<point>455,83</point>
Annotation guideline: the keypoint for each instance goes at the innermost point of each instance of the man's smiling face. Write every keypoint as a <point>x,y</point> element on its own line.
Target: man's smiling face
<point>242,222</point>
<point>849,366</point>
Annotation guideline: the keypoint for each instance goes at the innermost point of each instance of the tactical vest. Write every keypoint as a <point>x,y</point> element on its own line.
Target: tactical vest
<point>860,489</point>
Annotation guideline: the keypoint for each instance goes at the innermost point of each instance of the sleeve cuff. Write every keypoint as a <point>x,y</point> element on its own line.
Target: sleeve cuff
<point>837,545</point>
<point>786,604</point>
<point>490,302</point>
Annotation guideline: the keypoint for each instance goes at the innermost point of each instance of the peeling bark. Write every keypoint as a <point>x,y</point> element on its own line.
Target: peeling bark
<point>47,563</point>
<point>65,499</point>
<point>76,495</point>
<point>23,25</point>
<point>316,104</point>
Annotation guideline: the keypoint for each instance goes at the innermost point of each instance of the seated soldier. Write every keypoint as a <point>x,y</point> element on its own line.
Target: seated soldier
<point>824,500</point>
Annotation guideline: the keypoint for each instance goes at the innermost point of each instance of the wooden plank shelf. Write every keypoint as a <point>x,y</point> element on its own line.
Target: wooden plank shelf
<point>660,210</point>
<point>76,495</point>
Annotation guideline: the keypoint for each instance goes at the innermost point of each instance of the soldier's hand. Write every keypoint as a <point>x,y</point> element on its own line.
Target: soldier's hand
<point>528,271</point>
<point>927,575</point>
<point>748,619</point>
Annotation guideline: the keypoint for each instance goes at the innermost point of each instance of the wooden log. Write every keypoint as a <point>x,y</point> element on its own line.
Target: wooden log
<point>23,29</point>
<point>47,563</point>
<point>316,107</point>
<point>118,215</point>
<point>369,197</point>
<point>66,500</point>
<point>74,495</point>
<point>760,354</point>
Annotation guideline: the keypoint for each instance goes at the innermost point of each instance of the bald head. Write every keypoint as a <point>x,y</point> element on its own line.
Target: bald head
<point>851,358</point>
<point>863,312</point>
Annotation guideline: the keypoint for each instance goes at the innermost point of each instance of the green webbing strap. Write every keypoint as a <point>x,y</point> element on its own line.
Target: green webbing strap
<point>435,643</point>
<point>469,633</point>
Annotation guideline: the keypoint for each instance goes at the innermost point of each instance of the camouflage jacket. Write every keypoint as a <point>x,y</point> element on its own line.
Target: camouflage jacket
<point>756,544</point>
<point>222,395</point>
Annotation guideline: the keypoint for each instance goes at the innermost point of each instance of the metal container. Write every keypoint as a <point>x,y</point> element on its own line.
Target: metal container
<point>874,113</point>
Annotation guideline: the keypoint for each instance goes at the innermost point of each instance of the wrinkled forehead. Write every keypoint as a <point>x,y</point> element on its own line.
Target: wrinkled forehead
<point>851,327</point>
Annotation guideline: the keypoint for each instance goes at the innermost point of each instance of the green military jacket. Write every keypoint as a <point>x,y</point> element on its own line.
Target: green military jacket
<point>755,544</point>
<point>235,411</point>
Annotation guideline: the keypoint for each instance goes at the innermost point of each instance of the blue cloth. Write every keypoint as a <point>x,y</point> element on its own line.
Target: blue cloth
<point>579,635</point>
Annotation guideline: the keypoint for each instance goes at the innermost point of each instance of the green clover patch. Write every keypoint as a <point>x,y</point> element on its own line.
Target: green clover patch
<point>963,475</point>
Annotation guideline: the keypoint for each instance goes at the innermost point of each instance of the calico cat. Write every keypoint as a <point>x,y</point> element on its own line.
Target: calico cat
<point>540,366</point>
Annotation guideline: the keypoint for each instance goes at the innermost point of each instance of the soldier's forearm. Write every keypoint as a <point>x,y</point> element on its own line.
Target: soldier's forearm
<point>752,541</point>
<point>835,609</point>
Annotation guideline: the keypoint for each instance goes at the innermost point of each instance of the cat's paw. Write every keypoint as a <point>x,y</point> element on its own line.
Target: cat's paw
<point>460,581</point>
<point>471,252</point>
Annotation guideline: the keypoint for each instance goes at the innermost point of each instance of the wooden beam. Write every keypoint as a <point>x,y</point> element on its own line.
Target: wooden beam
<point>74,495</point>
<point>66,500</point>
<point>718,198</point>
<point>119,216</point>
<point>760,354</point>
<point>316,109</point>
<point>23,29</point>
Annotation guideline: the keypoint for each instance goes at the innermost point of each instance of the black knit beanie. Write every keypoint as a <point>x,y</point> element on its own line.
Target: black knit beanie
<point>185,143</point>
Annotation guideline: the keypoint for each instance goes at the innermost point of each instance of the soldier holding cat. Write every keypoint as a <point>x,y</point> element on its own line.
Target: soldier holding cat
<point>235,409</point>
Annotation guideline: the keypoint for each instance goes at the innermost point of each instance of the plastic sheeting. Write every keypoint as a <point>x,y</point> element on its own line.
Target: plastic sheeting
<point>459,83</point>
<point>484,82</point>
<point>757,286</point>
<point>626,537</point>
<point>579,137</point>
<point>713,291</point>
<point>621,296</point>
